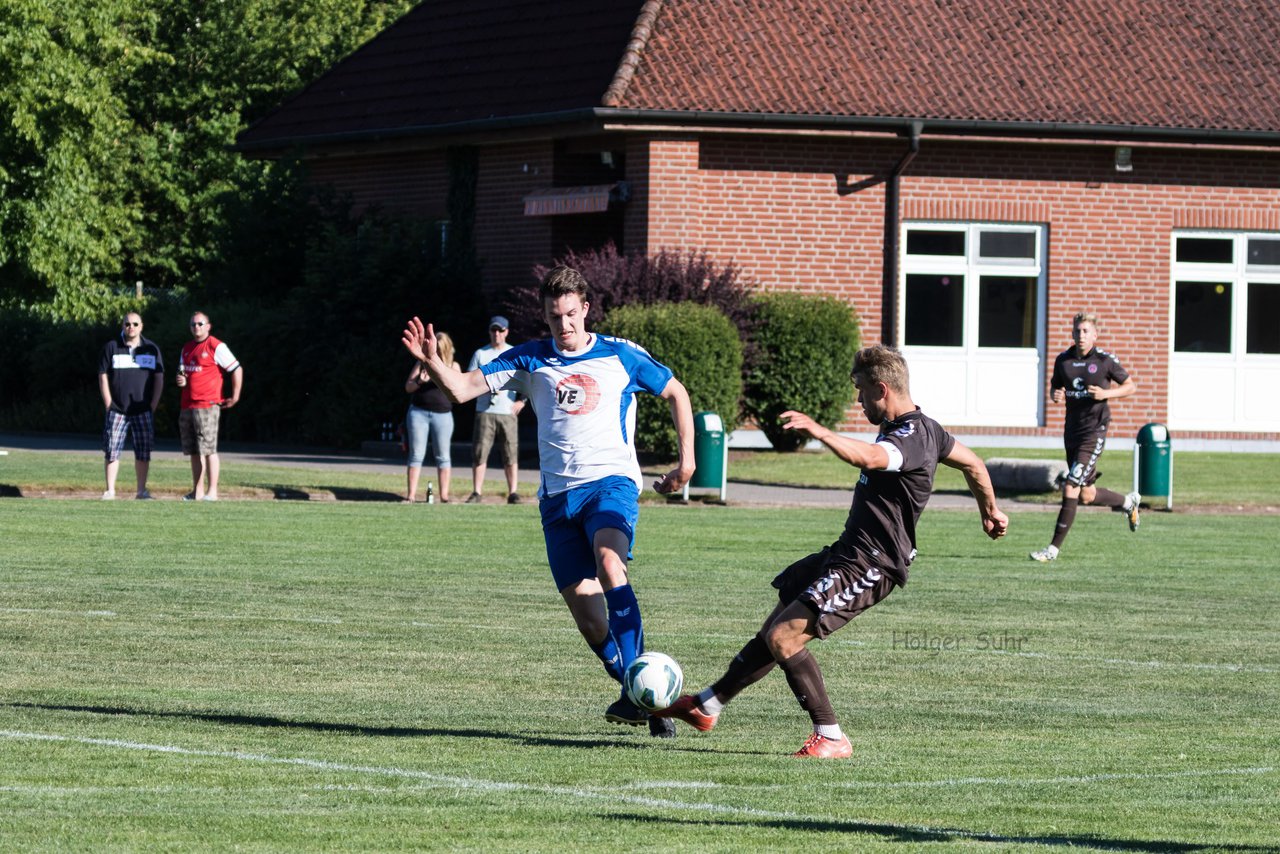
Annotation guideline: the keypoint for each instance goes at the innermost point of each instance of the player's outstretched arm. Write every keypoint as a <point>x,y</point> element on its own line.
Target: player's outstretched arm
<point>994,522</point>
<point>864,455</point>
<point>420,340</point>
<point>677,396</point>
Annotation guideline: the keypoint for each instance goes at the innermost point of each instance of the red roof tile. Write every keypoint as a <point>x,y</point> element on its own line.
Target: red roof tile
<point>1208,65</point>
<point>1150,63</point>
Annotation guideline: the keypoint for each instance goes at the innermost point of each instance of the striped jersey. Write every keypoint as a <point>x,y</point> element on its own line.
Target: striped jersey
<point>585,403</point>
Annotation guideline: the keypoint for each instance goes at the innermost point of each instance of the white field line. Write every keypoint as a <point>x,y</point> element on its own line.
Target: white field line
<point>487,786</point>
<point>57,611</point>
<point>1056,781</point>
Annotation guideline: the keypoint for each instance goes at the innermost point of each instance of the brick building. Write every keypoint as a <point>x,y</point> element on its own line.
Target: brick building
<point>966,175</point>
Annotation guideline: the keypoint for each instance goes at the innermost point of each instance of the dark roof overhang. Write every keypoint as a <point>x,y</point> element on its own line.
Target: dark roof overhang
<point>592,120</point>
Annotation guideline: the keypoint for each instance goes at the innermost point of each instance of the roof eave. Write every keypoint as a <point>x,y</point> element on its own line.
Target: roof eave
<point>942,127</point>
<point>593,119</point>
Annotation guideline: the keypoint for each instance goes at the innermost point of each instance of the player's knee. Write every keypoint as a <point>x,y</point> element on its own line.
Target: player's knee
<point>782,643</point>
<point>1088,494</point>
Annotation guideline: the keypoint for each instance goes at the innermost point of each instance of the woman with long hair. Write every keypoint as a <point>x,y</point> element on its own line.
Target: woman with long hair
<point>430,417</point>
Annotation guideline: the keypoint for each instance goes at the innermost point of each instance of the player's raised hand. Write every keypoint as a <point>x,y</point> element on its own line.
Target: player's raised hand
<point>802,424</point>
<point>419,340</point>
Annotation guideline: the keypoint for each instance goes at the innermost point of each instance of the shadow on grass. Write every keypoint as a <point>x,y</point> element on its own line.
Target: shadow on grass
<point>325,493</point>
<point>270,722</point>
<point>908,834</point>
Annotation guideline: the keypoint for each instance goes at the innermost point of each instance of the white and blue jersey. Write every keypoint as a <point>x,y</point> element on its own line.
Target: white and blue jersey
<point>585,403</point>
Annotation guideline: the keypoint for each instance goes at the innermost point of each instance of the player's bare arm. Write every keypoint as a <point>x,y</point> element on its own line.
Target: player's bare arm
<point>420,341</point>
<point>677,397</point>
<point>994,522</point>
<point>1116,392</point>
<point>855,452</point>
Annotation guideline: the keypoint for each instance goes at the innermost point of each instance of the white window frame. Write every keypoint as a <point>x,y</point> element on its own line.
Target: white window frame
<point>970,384</point>
<point>1232,391</point>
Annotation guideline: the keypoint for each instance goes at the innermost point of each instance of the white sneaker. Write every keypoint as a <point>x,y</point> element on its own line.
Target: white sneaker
<point>109,495</point>
<point>1131,502</point>
<point>1046,554</point>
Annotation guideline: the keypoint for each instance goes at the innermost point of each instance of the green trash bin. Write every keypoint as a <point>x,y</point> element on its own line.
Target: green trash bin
<point>710,454</point>
<point>1153,462</point>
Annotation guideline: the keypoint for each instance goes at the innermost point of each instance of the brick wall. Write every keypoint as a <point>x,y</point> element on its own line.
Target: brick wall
<point>773,205</point>
<point>412,182</point>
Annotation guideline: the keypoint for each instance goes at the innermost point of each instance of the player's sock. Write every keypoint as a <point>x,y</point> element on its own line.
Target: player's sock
<point>709,702</point>
<point>1066,517</point>
<point>1108,498</point>
<point>610,657</point>
<point>748,667</point>
<point>805,678</point>
<point>831,731</point>
<point>624,622</point>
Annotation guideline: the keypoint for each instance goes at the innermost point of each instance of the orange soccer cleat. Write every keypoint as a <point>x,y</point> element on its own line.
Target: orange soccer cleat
<point>821,747</point>
<point>686,709</point>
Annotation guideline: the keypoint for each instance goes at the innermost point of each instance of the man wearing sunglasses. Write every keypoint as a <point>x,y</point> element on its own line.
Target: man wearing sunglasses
<point>204,364</point>
<point>130,379</point>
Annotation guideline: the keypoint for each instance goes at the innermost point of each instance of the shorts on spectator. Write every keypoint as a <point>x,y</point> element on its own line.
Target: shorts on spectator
<point>487,427</point>
<point>141,427</point>
<point>199,431</point>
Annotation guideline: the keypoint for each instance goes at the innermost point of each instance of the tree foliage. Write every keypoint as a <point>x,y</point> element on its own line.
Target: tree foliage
<point>115,158</point>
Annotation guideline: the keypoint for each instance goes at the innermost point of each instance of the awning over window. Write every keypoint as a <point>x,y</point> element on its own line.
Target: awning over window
<point>558,201</point>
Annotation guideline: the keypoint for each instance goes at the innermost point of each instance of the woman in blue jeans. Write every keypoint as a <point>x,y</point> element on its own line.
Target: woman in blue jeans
<point>430,416</point>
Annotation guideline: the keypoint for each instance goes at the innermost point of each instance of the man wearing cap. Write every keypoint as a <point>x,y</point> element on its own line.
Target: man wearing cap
<point>496,418</point>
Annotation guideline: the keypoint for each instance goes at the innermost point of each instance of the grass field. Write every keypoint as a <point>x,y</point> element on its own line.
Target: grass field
<point>364,676</point>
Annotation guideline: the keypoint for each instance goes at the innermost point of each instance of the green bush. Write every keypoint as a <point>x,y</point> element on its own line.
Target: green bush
<point>804,351</point>
<point>704,350</point>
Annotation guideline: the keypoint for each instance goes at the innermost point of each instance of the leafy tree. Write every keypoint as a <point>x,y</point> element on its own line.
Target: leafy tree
<point>66,217</point>
<point>115,158</point>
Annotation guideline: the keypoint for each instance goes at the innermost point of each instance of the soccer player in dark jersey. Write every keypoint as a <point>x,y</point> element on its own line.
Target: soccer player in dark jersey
<point>820,593</point>
<point>1085,377</point>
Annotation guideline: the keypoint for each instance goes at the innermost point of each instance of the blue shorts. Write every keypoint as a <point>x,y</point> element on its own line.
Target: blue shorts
<point>570,520</point>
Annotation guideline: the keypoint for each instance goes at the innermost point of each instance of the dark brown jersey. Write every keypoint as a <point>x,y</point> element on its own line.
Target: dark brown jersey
<point>1086,416</point>
<point>887,504</point>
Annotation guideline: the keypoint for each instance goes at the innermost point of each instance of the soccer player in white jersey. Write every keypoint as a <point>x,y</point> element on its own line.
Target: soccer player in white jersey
<point>582,389</point>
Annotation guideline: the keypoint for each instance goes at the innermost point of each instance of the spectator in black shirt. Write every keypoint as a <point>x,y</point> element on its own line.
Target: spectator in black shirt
<point>130,380</point>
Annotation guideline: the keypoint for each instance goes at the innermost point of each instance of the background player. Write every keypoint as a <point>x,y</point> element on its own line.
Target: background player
<point>581,387</point>
<point>820,593</point>
<point>1085,377</point>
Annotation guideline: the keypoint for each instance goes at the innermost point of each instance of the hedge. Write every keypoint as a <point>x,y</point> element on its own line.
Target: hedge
<point>804,352</point>
<point>704,350</point>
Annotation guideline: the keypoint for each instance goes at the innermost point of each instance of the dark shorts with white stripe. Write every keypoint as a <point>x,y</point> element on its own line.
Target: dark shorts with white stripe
<point>837,583</point>
<point>1082,457</point>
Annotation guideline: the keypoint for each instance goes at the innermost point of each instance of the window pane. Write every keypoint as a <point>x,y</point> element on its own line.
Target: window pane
<point>1202,317</point>
<point>935,310</point>
<point>1204,250</point>
<point>920,242</point>
<point>1007,244</point>
<point>1007,311</point>
<point>1263,253</point>
<point>1262,334</point>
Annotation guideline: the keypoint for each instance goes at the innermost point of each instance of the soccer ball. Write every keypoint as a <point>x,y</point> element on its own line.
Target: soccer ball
<point>653,681</point>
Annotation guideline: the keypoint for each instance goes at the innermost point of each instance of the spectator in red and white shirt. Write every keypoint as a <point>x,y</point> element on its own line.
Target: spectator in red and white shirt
<point>202,367</point>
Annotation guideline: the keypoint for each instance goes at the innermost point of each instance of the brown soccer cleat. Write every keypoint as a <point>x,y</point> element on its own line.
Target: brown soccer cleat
<point>686,709</point>
<point>821,747</point>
